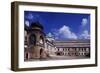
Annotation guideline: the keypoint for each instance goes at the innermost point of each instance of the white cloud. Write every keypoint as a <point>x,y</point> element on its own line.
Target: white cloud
<point>35,17</point>
<point>84,21</point>
<point>27,23</point>
<point>49,34</point>
<point>85,35</point>
<point>30,16</point>
<point>65,33</point>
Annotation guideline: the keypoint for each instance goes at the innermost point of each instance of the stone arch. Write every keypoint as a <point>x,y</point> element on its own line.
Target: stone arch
<point>32,39</point>
<point>41,39</point>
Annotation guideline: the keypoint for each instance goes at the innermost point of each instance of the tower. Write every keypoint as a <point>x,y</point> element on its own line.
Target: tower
<point>36,40</point>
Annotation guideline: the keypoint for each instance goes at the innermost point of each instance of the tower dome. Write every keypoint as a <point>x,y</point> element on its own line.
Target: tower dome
<point>36,25</point>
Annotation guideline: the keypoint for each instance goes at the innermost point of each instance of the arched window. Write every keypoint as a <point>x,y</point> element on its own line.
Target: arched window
<point>41,40</point>
<point>32,39</point>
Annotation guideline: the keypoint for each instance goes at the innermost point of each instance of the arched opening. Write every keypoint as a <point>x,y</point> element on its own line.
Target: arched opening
<point>58,53</point>
<point>41,40</point>
<point>41,53</point>
<point>32,39</point>
<point>26,55</point>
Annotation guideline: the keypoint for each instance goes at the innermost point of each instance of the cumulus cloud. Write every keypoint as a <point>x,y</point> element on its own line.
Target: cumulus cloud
<point>64,33</point>
<point>84,21</point>
<point>27,23</point>
<point>67,33</point>
<point>30,16</point>
<point>49,34</point>
<point>85,35</point>
<point>84,30</point>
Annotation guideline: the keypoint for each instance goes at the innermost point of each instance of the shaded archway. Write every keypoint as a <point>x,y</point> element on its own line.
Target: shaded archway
<point>32,39</point>
<point>26,55</point>
<point>41,53</point>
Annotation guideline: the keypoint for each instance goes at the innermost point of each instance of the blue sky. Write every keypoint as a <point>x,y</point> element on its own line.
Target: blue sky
<point>61,25</point>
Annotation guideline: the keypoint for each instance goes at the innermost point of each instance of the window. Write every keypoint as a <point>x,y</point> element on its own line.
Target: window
<point>63,49</point>
<point>41,40</point>
<point>87,49</point>
<point>32,39</point>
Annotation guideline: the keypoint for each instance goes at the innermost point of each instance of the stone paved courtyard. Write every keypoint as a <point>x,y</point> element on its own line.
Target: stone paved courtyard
<point>58,58</point>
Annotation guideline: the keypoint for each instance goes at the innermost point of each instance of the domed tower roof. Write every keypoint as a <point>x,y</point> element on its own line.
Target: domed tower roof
<point>36,25</point>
